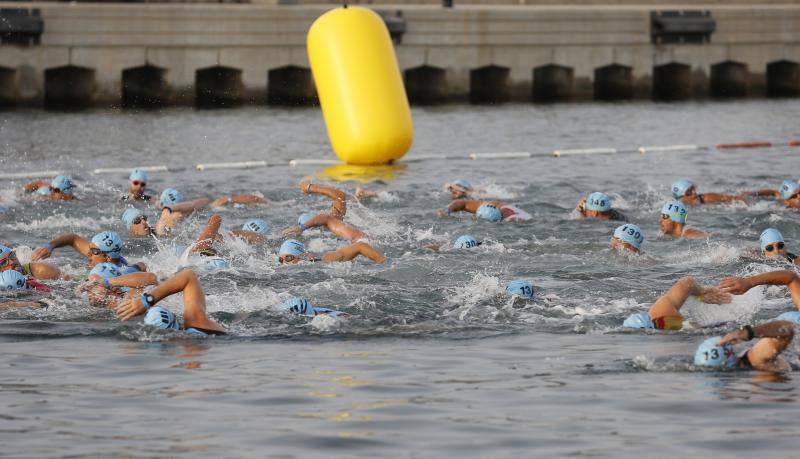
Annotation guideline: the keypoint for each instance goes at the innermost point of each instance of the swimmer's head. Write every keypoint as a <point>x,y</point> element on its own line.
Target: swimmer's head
<point>303,219</point>
<point>772,243</point>
<point>459,188</point>
<point>789,188</point>
<point>256,225</point>
<point>217,263</point>
<point>138,175</point>
<point>674,211</point>
<point>466,242</point>
<point>299,306</point>
<point>8,259</point>
<point>170,197</point>
<point>709,354</point>
<point>62,184</point>
<point>790,316</point>
<point>489,212</point>
<point>680,188</point>
<point>12,280</point>
<point>627,236</point>
<point>638,320</point>
<point>105,271</point>
<point>136,222</point>
<point>161,318</point>
<point>520,287</point>
<point>598,202</point>
<point>107,244</point>
<point>291,250</point>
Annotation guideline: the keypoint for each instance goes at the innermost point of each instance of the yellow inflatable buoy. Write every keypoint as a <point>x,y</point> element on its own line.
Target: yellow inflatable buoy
<point>360,88</point>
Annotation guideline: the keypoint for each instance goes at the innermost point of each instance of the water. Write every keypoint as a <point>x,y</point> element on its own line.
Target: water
<point>436,361</point>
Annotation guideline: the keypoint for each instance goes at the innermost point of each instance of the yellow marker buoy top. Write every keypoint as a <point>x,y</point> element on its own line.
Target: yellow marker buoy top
<point>360,87</point>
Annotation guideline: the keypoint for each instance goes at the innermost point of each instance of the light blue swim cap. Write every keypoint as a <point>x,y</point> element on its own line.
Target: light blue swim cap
<point>465,242</point>
<point>217,263</point>
<point>170,197</point>
<point>63,183</point>
<point>292,247</point>
<point>139,175</point>
<point>161,318</point>
<point>710,355</point>
<point>4,250</point>
<point>12,280</point>
<point>463,184</point>
<point>129,215</point>
<point>106,270</point>
<point>303,219</point>
<point>109,243</point>
<point>680,187</point>
<point>770,236</point>
<point>298,305</point>
<point>791,316</point>
<point>256,225</point>
<point>788,188</point>
<point>489,212</point>
<point>676,211</point>
<point>520,287</point>
<point>598,202</point>
<point>631,234</point>
<point>639,320</point>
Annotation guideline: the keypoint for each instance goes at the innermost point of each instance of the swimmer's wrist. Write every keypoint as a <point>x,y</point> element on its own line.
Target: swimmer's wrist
<point>148,301</point>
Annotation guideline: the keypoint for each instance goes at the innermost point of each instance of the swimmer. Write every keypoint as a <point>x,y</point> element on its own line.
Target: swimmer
<point>598,205</point>
<point>665,314</point>
<point>790,193</point>
<point>463,242</point>
<point>740,285</point>
<point>195,318</point>
<point>627,237</point>
<point>240,199</point>
<point>773,246</point>
<point>33,270</point>
<point>775,336</point>
<point>493,211</point>
<point>107,286</point>
<point>254,231</point>
<point>686,192</point>
<point>59,189</point>
<point>673,222</point>
<point>292,251</point>
<point>174,209</point>
<point>303,307</point>
<point>138,181</point>
<point>13,281</point>
<point>339,204</point>
<point>521,288</point>
<point>105,247</point>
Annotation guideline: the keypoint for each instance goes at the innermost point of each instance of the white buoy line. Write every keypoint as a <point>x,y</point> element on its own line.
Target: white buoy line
<point>411,159</point>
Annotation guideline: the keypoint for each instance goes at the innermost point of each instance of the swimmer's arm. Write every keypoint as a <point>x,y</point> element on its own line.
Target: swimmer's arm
<point>465,205</point>
<point>140,266</point>
<point>361,193</point>
<point>237,199</point>
<point>673,300</point>
<point>134,280</point>
<point>339,206</point>
<point>190,206</point>
<point>775,337</point>
<point>353,250</point>
<point>46,271</point>
<point>715,198</point>
<point>78,243</point>
<point>762,193</point>
<point>35,185</point>
<point>251,237</point>
<point>740,285</point>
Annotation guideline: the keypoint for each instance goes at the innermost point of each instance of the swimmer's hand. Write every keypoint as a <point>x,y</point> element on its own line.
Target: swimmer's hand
<point>712,295</point>
<point>305,186</point>
<point>733,337</point>
<point>292,231</point>
<point>129,308</point>
<point>442,212</point>
<point>581,205</point>
<point>734,285</point>
<point>40,254</point>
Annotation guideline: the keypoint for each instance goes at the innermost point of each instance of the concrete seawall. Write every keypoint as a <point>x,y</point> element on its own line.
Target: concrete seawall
<point>226,55</point>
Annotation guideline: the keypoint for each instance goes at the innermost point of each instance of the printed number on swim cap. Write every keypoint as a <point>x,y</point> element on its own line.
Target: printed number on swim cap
<point>107,239</point>
<point>20,282</point>
<point>527,290</point>
<point>632,232</point>
<point>714,354</point>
